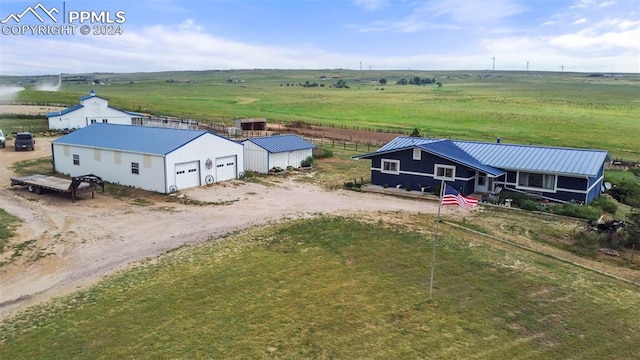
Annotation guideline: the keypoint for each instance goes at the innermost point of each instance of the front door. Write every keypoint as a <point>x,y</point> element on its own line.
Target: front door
<point>483,182</point>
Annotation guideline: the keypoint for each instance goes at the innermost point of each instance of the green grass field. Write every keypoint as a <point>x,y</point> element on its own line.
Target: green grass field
<point>333,287</point>
<point>560,109</point>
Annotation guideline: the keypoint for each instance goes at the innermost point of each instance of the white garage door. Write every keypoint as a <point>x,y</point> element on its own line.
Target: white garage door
<point>226,168</point>
<point>187,175</point>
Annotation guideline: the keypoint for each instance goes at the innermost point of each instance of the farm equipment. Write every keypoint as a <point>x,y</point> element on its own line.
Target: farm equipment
<point>77,185</point>
<point>606,227</point>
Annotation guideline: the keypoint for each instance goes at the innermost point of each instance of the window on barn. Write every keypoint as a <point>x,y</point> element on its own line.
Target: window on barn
<point>536,181</point>
<point>390,166</point>
<point>135,168</point>
<point>445,172</point>
<point>417,154</point>
<point>76,159</point>
<point>105,121</point>
<point>93,121</point>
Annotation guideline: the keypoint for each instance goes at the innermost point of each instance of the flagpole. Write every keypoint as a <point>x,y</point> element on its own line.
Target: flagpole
<point>435,240</point>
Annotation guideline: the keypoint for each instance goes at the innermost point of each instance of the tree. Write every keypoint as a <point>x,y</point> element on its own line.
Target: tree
<point>382,81</point>
<point>341,84</point>
<point>415,133</point>
<point>402,82</point>
<point>632,229</point>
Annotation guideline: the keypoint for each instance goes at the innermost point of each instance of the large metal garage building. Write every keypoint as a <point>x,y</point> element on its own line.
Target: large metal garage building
<point>156,159</point>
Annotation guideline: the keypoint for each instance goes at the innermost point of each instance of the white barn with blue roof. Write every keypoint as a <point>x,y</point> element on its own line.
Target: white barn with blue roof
<point>150,158</point>
<point>554,173</point>
<point>92,109</point>
<point>264,153</point>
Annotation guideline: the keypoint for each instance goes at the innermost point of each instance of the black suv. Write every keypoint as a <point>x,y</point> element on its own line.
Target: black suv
<point>24,141</point>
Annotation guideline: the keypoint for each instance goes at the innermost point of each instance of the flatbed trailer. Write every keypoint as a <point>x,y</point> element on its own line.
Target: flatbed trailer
<point>77,185</point>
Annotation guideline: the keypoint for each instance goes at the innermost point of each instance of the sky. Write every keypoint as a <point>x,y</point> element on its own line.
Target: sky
<point>167,35</point>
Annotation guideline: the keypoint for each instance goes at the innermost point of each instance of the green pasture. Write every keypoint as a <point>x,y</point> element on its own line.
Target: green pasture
<point>335,287</point>
<point>559,109</point>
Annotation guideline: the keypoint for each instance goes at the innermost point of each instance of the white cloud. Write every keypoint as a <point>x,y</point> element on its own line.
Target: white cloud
<point>190,24</point>
<point>605,4</point>
<point>371,4</point>
<point>473,11</point>
<point>581,21</point>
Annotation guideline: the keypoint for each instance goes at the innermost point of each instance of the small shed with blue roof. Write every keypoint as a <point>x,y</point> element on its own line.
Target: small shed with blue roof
<point>150,158</point>
<point>92,109</point>
<point>264,153</point>
<point>553,173</point>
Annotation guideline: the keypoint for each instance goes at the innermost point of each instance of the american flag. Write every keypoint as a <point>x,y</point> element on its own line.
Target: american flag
<point>452,197</point>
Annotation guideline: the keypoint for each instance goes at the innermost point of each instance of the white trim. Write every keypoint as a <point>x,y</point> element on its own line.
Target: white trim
<point>391,161</point>
<point>599,181</point>
<point>438,166</point>
<point>420,174</point>
<point>417,154</point>
<point>529,188</point>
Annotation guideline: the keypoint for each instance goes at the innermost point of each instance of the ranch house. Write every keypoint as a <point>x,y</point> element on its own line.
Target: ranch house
<point>92,109</point>
<point>552,173</point>
<point>150,158</point>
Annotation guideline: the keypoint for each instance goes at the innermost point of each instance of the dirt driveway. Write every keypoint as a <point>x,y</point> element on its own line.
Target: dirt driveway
<point>68,246</point>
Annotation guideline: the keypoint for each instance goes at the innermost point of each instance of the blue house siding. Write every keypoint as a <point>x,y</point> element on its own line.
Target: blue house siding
<point>568,188</point>
<point>595,184</point>
<point>415,174</point>
<point>579,172</point>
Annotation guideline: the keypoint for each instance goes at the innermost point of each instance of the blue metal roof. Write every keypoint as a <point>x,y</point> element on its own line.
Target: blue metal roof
<point>282,143</point>
<point>130,138</point>
<point>537,158</point>
<point>449,150</point>
<point>64,111</point>
<point>76,107</point>
<point>492,157</point>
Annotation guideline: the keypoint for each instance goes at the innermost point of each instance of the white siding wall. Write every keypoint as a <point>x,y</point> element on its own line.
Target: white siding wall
<point>292,158</point>
<point>94,108</point>
<point>115,166</point>
<point>255,158</point>
<point>205,147</point>
<point>111,166</point>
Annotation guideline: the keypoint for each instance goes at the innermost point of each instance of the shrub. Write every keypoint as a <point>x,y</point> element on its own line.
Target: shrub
<point>322,153</point>
<point>308,162</point>
<point>627,191</point>
<point>528,204</point>
<point>605,204</point>
<point>578,211</point>
<point>517,198</point>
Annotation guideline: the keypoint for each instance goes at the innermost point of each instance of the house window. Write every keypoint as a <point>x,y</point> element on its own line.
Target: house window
<point>536,181</point>
<point>93,121</point>
<point>76,159</point>
<point>445,172</point>
<point>105,121</point>
<point>135,168</point>
<point>390,166</point>
<point>417,154</point>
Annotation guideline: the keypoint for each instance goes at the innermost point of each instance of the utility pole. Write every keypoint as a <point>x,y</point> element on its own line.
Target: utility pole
<point>527,65</point>
<point>494,63</point>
